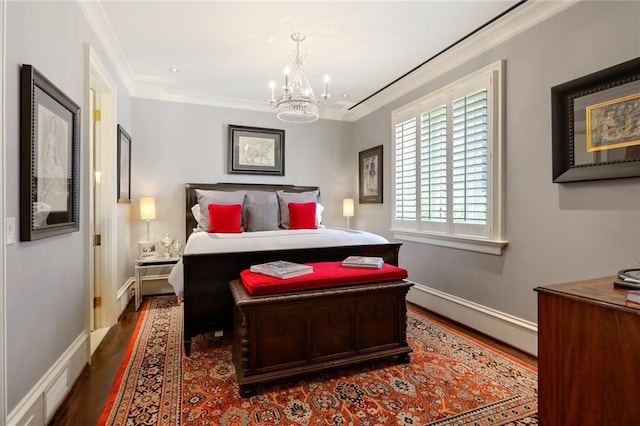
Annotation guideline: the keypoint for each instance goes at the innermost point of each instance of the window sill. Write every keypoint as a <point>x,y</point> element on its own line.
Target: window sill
<point>479,245</point>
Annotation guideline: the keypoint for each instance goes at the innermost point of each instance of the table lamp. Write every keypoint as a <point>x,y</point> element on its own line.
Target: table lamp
<point>347,209</point>
<point>147,211</point>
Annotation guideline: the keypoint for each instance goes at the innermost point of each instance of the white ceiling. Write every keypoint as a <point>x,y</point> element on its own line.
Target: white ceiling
<point>228,51</point>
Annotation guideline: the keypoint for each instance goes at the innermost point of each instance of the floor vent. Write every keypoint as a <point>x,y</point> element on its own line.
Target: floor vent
<point>56,393</point>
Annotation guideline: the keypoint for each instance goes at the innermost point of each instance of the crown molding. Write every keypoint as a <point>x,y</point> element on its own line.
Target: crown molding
<point>154,92</point>
<point>157,92</point>
<point>98,21</point>
<point>524,17</point>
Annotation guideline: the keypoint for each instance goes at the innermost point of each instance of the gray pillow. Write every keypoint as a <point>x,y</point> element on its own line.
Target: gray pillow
<point>261,197</point>
<point>261,217</point>
<point>257,197</point>
<point>284,198</point>
<point>215,197</point>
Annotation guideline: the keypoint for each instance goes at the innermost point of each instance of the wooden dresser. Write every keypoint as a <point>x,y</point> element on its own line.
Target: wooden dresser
<point>588,355</point>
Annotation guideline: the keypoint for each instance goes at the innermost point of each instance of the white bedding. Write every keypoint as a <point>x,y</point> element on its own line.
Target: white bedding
<point>202,242</point>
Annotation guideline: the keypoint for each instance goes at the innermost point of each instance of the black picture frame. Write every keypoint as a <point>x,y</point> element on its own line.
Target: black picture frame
<point>49,158</point>
<point>255,151</point>
<point>370,175</point>
<point>575,158</point>
<point>124,166</point>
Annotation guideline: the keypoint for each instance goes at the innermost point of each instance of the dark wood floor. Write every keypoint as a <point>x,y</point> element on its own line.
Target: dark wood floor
<point>89,394</point>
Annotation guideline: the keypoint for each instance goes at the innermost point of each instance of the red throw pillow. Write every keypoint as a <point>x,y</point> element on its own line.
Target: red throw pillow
<point>225,218</point>
<point>302,216</point>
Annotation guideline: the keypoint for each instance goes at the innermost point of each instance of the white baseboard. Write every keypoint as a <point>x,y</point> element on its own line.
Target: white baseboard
<point>511,330</point>
<point>124,295</point>
<point>32,409</point>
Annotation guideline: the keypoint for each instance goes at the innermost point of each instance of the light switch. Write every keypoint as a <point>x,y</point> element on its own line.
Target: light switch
<point>11,230</point>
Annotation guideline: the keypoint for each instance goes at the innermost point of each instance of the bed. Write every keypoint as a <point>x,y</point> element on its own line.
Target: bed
<point>203,275</point>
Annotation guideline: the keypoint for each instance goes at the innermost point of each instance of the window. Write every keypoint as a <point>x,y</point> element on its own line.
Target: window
<point>448,165</point>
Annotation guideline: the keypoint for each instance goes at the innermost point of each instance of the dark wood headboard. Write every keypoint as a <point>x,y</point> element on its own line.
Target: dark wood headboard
<point>192,199</point>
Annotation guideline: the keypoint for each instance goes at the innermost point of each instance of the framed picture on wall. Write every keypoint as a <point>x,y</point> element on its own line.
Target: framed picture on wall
<point>596,125</point>
<point>370,175</point>
<point>124,166</point>
<point>49,158</point>
<point>255,151</point>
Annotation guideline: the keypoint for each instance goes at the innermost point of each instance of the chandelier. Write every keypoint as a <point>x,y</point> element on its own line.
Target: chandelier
<point>297,104</point>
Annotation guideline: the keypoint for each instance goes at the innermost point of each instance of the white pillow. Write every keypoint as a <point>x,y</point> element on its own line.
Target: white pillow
<point>195,211</point>
<point>319,209</point>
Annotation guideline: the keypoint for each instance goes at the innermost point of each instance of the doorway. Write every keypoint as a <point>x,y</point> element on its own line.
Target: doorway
<point>102,217</point>
<point>98,331</point>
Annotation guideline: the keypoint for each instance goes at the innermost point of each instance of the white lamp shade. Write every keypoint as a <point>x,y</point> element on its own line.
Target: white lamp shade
<point>347,207</point>
<point>147,208</point>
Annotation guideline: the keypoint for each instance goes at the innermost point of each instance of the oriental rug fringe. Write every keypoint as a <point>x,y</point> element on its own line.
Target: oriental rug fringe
<point>451,380</point>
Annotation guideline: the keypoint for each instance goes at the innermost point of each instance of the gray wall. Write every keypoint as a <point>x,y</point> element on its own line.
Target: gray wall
<point>176,143</point>
<point>47,280</point>
<point>556,233</point>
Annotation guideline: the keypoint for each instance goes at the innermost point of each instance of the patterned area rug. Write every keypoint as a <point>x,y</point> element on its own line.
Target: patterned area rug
<point>147,389</point>
<point>451,380</point>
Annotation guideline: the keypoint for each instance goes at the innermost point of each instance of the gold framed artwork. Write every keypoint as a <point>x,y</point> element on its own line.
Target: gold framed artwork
<point>614,124</point>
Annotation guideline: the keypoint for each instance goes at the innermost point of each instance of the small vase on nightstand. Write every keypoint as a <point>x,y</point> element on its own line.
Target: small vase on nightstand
<point>177,247</point>
<point>166,243</point>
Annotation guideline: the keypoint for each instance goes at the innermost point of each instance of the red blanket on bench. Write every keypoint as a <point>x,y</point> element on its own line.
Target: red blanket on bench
<point>325,275</point>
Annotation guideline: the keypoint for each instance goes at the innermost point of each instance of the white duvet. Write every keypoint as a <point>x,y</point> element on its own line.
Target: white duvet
<point>202,242</point>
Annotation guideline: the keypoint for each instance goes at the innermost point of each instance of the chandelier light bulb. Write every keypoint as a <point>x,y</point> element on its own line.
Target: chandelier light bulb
<point>325,91</point>
<point>287,71</point>
<point>272,86</point>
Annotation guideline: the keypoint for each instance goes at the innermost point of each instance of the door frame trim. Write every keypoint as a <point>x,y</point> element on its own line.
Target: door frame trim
<point>99,79</point>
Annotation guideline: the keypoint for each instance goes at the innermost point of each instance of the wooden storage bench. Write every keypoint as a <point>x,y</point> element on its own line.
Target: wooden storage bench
<point>282,335</point>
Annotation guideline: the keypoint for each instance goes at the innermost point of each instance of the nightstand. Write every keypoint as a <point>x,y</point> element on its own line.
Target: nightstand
<point>144,264</point>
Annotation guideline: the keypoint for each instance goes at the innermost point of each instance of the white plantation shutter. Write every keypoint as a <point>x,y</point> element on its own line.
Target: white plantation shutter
<point>405,171</point>
<point>448,139</point>
<point>433,167</point>
<point>470,159</point>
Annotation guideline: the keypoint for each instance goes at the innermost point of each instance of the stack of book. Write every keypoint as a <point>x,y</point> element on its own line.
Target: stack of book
<point>633,296</point>
<point>282,269</point>
<point>363,262</point>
